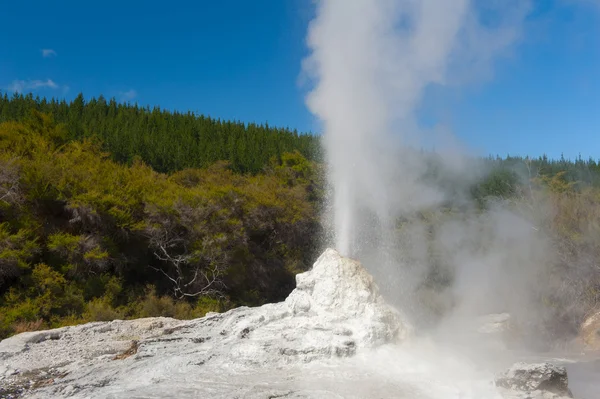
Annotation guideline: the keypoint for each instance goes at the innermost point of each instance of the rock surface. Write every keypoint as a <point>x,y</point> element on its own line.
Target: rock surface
<point>497,323</point>
<point>335,311</point>
<point>333,337</point>
<point>590,333</point>
<point>541,380</point>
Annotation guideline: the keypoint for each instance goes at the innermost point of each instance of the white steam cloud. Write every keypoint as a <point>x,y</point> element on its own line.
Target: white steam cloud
<point>372,61</point>
<point>431,249</point>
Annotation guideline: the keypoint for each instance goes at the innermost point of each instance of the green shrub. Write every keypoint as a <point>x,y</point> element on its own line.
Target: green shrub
<point>100,310</point>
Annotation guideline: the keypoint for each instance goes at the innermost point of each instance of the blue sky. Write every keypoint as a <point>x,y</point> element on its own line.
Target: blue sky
<point>239,59</point>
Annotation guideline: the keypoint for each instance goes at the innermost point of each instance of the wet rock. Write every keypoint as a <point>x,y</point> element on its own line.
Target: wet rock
<point>494,324</point>
<point>590,333</point>
<point>539,380</point>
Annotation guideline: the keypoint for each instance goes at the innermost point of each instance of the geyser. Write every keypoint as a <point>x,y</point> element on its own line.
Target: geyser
<point>372,64</point>
<point>333,337</point>
<point>334,313</point>
<point>371,61</point>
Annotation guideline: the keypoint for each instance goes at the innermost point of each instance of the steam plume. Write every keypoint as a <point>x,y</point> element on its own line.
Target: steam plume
<point>371,61</point>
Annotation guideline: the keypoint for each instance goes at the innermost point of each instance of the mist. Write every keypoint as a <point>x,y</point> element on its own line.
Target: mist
<point>392,205</point>
<point>371,62</point>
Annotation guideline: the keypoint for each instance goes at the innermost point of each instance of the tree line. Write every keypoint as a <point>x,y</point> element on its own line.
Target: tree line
<point>112,210</point>
<point>167,141</point>
<point>83,237</point>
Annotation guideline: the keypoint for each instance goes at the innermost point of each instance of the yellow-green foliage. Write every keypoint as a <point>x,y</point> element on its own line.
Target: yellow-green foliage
<point>63,243</point>
<point>99,309</point>
<point>16,250</point>
<point>81,236</point>
<point>153,305</point>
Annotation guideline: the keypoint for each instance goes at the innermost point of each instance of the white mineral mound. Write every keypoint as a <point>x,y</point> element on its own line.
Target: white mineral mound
<point>333,337</point>
<point>335,311</point>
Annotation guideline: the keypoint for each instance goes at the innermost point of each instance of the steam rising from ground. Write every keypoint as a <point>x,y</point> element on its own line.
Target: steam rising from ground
<point>372,62</point>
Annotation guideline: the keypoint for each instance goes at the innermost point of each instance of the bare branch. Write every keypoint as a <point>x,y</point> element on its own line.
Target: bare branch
<point>9,182</point>
<point>190,276</point>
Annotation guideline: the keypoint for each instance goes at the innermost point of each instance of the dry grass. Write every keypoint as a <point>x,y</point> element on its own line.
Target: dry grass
<point>129,352</point>
<point>25,326</point>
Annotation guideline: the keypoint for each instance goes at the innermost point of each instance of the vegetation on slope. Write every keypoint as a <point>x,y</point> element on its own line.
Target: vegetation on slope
<point>166,141</point>
<point>116,211</point>
<point>536,241</point>
<point>85,238</point>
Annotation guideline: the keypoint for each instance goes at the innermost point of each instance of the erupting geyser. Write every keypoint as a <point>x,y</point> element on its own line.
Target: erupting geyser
<point>333,337</point>
<point>335,312</point>
<point>371,61</point>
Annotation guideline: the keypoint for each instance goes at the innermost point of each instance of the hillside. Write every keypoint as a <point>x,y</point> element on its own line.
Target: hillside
<point>83,237</point>
<point>115,211</point>
<point>166,141</point>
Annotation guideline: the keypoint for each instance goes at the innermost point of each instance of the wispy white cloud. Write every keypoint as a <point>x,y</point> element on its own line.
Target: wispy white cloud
<point>48,52</point>
<point>20,86</point>
<point>128,95</point>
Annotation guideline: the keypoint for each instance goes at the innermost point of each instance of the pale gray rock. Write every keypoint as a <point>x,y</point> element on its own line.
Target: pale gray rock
<point>496,323</point>
<point>333,337</point>
<point>335,311</point>
<point>589,335</point>
<point>538,380</point>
